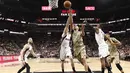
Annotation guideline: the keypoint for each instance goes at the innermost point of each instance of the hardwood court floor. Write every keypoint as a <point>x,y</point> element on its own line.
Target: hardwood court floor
<point>53,65</point>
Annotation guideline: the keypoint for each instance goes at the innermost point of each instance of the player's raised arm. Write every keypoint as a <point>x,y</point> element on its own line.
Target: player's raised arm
<point>114,40</point>
<point>109,39</point>
<point>82,29</point>
<point>117,42</point>
<point>69,21</point>
<point>32,52</point>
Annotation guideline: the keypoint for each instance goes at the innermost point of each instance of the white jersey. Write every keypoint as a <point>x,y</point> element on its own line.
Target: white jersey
<point>26,51</point>
<point>102,45</point>
<point>65,50</point>
<point>66,39</point>
<point>100,38</point>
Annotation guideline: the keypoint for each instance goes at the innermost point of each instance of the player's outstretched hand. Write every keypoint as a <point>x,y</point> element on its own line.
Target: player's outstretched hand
<point>38,57</point>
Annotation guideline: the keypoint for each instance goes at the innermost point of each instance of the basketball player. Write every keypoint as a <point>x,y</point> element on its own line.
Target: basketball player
<point>27,49</point>
<point>65,51</point>
<point>114,54</point>
<point>103,48</point>
<point>79,47</point>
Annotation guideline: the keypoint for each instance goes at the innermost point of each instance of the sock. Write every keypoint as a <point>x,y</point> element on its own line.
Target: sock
<point>63,70</point>
<point>103,69</point>
<point>119,66</point>
<point>89,70</point>
<point>74,69</point>
<point>111,67</point>
<point>108,68</point>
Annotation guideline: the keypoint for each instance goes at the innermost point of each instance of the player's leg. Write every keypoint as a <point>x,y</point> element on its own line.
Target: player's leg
<point>62,65</point>
<point>104,53</point>
<point>72,64</point>
<point>22,68</point>
<point>27,68</point>
<point>110,60</point>
<point>69,55</point>
<point>108,65</point>
<point>102,60</point>
<point>82,59</point>
<point>62,57</point>
<point>117,62</point>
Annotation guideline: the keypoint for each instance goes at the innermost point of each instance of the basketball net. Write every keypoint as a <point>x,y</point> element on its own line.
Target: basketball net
<point>53,3</point>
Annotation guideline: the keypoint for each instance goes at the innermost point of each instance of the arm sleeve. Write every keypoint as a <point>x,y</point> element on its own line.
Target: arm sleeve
<point>69,21</point>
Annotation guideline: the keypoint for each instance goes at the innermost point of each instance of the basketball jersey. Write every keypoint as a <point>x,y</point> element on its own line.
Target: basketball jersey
<point>100,38</point>
<point>112,49</point>
<point>66,39</point>
<point>26,51</point>
<point>78,42</point>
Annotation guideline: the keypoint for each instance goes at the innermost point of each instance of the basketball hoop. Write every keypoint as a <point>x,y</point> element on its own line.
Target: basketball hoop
<point>53,3</point>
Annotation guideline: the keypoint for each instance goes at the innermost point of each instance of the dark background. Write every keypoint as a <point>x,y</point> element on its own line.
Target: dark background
<point>30,11</point>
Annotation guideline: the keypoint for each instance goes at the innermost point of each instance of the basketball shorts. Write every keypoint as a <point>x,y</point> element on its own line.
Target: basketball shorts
<point>65,52</point>
<point>103,51</point>
<point>115,56</point>
<point>82,54</point>
<point>25,59</point>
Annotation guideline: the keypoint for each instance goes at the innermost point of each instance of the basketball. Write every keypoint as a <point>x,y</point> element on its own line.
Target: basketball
<point>67,4</point>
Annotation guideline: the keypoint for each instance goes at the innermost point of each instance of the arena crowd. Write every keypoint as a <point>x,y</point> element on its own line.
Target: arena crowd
<point>49,47</point>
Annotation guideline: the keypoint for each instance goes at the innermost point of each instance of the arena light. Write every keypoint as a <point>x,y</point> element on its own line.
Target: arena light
<point>2,31</point>
<point>49,18</point>
<point>87,19</point>
<point>1,18</point>
<point>123,31</point>
<point>93,24</point>
<point>6,30</point>
<point>117,32</point>
<point>128,29</point>
<point>13,32</point>
<point>23,22</point>
<point>25,32</point>
<point>127,18</point>
<point>9,19</point>
<point>16,21</point>
<point>120,20</point>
